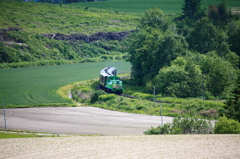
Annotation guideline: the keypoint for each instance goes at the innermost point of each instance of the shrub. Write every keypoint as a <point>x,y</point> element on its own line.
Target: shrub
<point>106,97</point>
<point>227,126</point>
<point>183,126</point>
<point>96,94</point>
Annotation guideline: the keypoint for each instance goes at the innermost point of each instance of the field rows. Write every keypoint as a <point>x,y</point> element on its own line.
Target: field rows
<point>37,85</point>
<point>140,6</point>
<point>162,146</point>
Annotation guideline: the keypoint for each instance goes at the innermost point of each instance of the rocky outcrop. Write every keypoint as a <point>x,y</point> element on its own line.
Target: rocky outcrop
<point>3,35</point>
<point>91,38</point>
<point>73,37</point>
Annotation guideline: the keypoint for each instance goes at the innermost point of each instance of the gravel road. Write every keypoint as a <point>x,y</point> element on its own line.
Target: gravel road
<point>79,120</point>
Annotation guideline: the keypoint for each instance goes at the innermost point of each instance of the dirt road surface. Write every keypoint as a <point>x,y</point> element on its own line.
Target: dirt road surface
<point>79,120</point>
<point>123,147</point>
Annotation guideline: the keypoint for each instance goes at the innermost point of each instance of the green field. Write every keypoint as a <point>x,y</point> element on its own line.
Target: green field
<point>38,85</point>
<point>45,18</point>
<point>140,6</point>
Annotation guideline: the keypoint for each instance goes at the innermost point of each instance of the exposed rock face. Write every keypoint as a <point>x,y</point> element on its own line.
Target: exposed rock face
<point>91,38</point>
<point>73,37</point>
<point>3,35</point>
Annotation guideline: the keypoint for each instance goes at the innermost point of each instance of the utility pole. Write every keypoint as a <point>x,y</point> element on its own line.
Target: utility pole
<point>4,115</point>
<point>154,94</point>
<point>202,86</point>
<point>161,114</point>
<point>154,99</point>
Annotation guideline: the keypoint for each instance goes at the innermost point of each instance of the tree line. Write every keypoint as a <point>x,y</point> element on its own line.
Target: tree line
<point>195,54</point>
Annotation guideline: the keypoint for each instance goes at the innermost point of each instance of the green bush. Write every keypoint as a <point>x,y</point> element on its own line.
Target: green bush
<point>227,126</point>
<point>106,97</point>
<point>183,126</point>
<point>96,94</point>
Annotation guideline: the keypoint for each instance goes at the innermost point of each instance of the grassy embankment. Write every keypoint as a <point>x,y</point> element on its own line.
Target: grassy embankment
<point>5,134</point>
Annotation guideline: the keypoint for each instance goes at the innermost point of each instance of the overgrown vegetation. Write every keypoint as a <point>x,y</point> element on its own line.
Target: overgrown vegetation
<point>86,93</point>
<point>197,126</point>
<point>183,126</point>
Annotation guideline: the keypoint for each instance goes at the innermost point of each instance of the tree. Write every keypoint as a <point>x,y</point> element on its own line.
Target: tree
<point>141,53</point>
<point>155,18</point>
<point>234,36</point>
<point>190,7</point>
<point>232,106</point>
<point>223,13</point>
<point>150,50</point>
<point>182,78</point>
<point>169,49</point>
<point>206,37</point>
<point>219,74</point>
<point>219,14</point>
<point>213,13</point>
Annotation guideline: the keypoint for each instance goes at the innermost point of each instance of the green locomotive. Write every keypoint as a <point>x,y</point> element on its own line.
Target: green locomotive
<point>109,81</point>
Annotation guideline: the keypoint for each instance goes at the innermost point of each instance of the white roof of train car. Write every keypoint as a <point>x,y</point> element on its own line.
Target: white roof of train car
<point>108,71</point>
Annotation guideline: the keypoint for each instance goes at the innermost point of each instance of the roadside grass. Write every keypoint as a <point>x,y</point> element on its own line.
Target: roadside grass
<point>9,133</point>
<point>140,6</point>
<point>5,134</point>
<point>38,86</point>
<point>84,92</point>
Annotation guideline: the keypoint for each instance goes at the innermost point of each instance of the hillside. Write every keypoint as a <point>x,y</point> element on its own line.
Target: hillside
<point>33,34</point>
<point>36,32</point>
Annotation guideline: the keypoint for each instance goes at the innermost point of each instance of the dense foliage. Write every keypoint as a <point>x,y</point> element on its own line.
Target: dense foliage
<point>199,63</point>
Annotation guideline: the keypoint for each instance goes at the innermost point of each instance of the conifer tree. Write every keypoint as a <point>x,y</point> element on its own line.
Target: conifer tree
<point>233,104</point>
<point>190,7</point>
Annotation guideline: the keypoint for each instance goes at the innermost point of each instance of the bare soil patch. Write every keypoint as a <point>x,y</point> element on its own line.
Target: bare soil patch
<point>162,146</point>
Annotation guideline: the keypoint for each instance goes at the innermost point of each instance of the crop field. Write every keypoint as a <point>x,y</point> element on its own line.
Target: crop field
<point>140,6</point>
<point>134,147</point>
<point>51,18</point>
<point>38,85</point>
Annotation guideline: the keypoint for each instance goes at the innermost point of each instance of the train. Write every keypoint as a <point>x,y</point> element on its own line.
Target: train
<point>109,81</point>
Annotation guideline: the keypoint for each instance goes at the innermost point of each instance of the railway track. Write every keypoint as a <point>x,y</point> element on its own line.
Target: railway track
<point>151,100</point>
<point>132,97</point>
